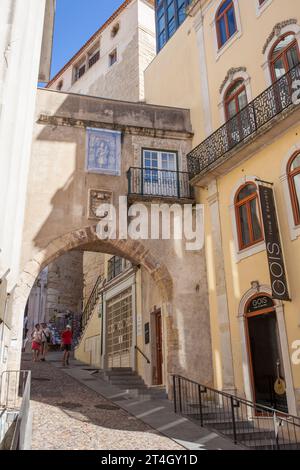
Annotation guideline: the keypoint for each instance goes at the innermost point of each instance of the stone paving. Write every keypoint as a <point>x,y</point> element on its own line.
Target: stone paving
<point>69,416</point>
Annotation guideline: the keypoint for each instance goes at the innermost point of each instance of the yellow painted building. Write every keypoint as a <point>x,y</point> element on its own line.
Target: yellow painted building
<point>234,64</point>
<point>122,321</point>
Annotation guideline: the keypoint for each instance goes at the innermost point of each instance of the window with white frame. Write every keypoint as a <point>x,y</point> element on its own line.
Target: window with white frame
<point>160,172</point>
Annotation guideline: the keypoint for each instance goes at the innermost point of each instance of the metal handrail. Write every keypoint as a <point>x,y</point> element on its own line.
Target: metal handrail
<point>19,437</point>
<point>157,169</point>
<point>91,302</point>
<point>15,399</point>
<point>247,423</point>
<point>242,400</point>
<point>143,354</point>
<point>148,181</point>
<point>262,109</point>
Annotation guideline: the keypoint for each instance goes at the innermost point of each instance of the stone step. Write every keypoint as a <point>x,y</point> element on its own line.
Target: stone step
<point>120,374</point>
<point>128,380</point>
<point>124,385</point>
<point>267,445</point>
<point>123,378</point>
<point>158,393</point>
<point>250,435</point>
<point>222,424</point>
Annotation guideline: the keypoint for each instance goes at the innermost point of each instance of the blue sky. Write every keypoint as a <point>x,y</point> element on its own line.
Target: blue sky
<point>75,22</point>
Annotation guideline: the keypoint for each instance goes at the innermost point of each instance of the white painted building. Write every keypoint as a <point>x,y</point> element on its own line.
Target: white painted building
<point>26,31</point>
<point>112,62</point>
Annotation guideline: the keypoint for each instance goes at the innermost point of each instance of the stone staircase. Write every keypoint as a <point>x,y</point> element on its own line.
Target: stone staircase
<point>89,310</point>
<point>132,384</point>
<point>250,425</point>
<point>248,434</point>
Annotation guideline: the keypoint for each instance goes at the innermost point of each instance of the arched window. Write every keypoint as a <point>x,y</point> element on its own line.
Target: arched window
<point>284,56</point>
<point>235,98</point>
<point>248,216</point>
<point>226,22</point>
<point>294,184</point>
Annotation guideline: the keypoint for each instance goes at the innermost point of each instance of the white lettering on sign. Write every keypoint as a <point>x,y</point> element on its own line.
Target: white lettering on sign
<point>261,302</point>
<point>279,287</point>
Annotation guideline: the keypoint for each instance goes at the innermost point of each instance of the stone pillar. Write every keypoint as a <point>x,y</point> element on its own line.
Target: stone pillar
<point>198,25</point>
<point>221,292</point>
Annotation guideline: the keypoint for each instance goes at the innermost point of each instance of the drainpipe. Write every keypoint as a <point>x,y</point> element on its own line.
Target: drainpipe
<point>134,326</point>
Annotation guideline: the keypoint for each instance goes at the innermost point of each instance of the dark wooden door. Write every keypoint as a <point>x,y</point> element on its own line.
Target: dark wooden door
<point>159,355</point>
<point>265,354</point>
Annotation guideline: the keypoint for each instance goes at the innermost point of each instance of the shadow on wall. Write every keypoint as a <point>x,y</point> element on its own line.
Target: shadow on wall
<point>57,216</point>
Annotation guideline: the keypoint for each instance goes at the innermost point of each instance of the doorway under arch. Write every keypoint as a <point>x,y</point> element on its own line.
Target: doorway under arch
<point>87,240</point>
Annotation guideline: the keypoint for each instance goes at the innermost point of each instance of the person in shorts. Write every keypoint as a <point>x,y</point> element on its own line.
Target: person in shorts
<point>66,339</point>
<point>36,342</point>
<point>46,339</point>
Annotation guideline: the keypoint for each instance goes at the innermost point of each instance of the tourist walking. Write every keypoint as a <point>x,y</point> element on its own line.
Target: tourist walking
<point>66,339</point>
<point>46,339</point>
<point>36,342</point>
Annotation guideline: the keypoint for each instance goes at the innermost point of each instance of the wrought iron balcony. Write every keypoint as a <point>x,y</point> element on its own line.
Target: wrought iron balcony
<point>273,101</point>
<point>158,183</point>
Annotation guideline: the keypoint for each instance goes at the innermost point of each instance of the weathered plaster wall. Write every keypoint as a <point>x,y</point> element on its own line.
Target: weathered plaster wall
<point>21,33</point>
<point>136,47</point>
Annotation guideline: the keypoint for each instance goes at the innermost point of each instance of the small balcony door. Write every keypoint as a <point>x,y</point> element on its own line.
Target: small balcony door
<point>238,115</point>
<point>160,175</point>
<point>283,58</point>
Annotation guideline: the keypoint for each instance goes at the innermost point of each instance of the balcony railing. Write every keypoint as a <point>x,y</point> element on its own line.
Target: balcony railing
<point>159,183</point>
<point>273,101</point>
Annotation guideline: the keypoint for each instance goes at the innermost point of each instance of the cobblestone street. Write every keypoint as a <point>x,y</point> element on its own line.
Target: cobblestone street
<point>69,416</point>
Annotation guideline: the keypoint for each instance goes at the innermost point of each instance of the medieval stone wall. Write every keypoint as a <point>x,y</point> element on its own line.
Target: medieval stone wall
<point>65,283</point>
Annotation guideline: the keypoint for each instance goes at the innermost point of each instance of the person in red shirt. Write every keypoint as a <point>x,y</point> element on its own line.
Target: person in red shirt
<point>66,339</point>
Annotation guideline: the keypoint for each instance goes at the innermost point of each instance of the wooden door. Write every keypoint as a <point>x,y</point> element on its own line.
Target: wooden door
<point>265,358</point>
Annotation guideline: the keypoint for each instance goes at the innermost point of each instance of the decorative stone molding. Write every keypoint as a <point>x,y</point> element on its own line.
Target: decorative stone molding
<point>97,197</point>
<point>230,75</point>
<point>277,30</point>
<point>56,121</point>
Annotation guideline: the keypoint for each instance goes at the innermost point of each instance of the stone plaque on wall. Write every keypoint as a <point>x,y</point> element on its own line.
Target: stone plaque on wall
<point>103,151</point>
<point>96,198</point>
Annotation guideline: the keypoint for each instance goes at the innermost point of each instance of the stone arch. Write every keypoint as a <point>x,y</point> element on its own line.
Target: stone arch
<point>85,239</point>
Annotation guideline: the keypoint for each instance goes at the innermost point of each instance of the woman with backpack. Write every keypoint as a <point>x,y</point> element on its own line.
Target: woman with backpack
<point>46,339</point>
